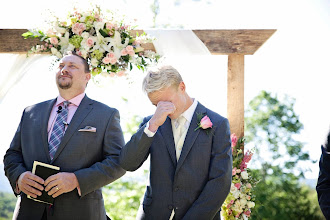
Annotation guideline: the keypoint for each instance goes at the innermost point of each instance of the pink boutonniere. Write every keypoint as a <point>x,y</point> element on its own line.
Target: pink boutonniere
<point>204,122</point>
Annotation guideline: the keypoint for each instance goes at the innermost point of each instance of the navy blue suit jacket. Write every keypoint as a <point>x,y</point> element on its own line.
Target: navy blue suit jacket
<point>197,184</point>
<point>323,183</point>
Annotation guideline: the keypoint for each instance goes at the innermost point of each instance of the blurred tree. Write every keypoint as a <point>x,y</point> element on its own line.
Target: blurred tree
<point>271,125</point>
<point>7,205</point>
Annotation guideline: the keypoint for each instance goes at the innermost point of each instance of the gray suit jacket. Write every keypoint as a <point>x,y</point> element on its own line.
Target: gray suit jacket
<point>92,157</point>
<point>196,185</point>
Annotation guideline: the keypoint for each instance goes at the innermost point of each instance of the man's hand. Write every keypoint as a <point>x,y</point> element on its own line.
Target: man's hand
<point>30,184</point>
<point>61,183</point>
<point>162,111</point>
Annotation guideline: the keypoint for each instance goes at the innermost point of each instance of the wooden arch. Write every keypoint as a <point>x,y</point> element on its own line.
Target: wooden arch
<point>234,43</point>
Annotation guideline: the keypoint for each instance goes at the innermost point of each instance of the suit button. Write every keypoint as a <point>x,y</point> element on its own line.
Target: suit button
<point>170,207</point>
<point>176,189</point>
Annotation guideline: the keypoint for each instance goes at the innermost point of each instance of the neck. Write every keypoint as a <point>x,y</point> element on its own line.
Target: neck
<point>67,95</point>
<point>189,102</point>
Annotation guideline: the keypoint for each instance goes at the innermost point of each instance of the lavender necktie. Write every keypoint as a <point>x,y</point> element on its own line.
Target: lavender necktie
<point>58,129</point>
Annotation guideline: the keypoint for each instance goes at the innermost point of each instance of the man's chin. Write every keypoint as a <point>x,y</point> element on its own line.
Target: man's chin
<point>65,85</point>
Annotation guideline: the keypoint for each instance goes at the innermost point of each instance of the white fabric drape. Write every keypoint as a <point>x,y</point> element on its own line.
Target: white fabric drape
<point>177,43</point>
<point>20,66</point>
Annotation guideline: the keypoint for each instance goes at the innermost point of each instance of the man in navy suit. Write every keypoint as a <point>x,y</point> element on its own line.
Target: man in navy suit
<point>87,153</point>
<point>323,183</point>
<point>190,165</point>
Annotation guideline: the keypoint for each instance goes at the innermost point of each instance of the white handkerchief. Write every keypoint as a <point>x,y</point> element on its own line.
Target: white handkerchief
<point>88,128</point>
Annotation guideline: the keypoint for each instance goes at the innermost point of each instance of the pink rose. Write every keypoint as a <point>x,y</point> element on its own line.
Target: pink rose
<point>234,171</point>
<point>129,48</point>
<point>232,201</point>
<point>247,213</point>
<point>90,42</point>
<point>237,185</point>
<point>111,55</point>
<point>106,60</point>
<point>228,206</point>
<point>249,185</point>
<point>233,138</point>
<point>113,60</point>
<point>206,122</point>
<point>123,52</point>
<point>54,40</point>
<point>248,197</point>
<point>78,28</point>
<point>131,53</point>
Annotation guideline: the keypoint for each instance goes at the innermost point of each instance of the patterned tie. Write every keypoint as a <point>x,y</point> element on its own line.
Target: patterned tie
<point>58,130</point>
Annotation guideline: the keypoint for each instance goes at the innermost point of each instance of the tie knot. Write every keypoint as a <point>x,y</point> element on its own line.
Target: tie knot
<point>66,104</point>
<point>181,121</point>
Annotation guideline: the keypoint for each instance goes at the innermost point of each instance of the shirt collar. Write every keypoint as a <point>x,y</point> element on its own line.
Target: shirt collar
<point>188,114</point>
<point>76,100</point>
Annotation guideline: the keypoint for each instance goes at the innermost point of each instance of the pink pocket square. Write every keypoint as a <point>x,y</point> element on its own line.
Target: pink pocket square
<point>88,129</point>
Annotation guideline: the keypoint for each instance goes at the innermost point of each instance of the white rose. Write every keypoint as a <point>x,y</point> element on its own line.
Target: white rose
<point>236,194</point>
<point>85,35</point>
<point>94,62</point>
<point>250,204</point>
<point>245,175</point>
<point>243,202</point>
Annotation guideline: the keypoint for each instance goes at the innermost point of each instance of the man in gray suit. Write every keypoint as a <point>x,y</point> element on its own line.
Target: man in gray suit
<point>87,153</point>
<point>190,159</point>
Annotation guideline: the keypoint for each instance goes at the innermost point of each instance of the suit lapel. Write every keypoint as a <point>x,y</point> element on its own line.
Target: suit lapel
<point>191,135</point>
<point>167,133</point>
<point>83,110</point>
<point>44,126</point>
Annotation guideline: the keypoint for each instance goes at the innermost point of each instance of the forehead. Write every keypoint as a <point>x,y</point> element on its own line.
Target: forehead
<point>72,59</point>
<point>163,95</point>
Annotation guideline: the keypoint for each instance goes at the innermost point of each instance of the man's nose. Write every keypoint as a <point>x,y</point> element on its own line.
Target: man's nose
<point>64,70</point>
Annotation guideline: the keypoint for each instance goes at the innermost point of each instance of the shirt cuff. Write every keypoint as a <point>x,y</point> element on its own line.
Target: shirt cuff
<point>17,191</point>
<point>148,132</point>
<point>79,192</point>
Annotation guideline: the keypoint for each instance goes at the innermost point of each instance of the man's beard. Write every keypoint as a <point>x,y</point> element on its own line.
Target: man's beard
<point>64,85</point>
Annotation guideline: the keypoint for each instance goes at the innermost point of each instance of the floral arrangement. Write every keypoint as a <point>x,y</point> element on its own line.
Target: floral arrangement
<point>104,42</point>
<point>240,201</point>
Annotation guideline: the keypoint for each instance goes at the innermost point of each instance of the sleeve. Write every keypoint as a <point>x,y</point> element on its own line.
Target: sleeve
<point>136,151</point>
<point>218,186</point>
<point>107,170</point>
<point>13,159</point>
<point>323,183</point>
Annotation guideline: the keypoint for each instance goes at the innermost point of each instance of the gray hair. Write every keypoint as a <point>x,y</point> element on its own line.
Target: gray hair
<point>161,78</point>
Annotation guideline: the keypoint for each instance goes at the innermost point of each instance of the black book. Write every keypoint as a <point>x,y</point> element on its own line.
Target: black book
<point>44,170</point>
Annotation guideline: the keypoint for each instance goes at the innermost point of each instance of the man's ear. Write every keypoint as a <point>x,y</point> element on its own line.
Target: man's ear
<point>182,86</point>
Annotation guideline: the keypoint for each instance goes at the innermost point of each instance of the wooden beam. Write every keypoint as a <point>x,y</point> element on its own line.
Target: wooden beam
<point>245,41</point>
<point>11,41</point>
<point>235,94</point>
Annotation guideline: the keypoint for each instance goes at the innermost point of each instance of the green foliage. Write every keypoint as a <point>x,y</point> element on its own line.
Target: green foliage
<point>7,205</point>
<point>122,198</point>
<point>271,125</point>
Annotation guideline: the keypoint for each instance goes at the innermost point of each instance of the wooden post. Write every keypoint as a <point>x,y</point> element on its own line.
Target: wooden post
<point>235,94</point>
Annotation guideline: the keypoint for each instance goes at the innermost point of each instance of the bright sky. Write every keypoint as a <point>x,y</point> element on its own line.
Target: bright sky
<point>293,61</point>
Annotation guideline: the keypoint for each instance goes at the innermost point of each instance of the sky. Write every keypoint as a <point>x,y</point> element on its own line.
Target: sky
<point>294,61</point>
